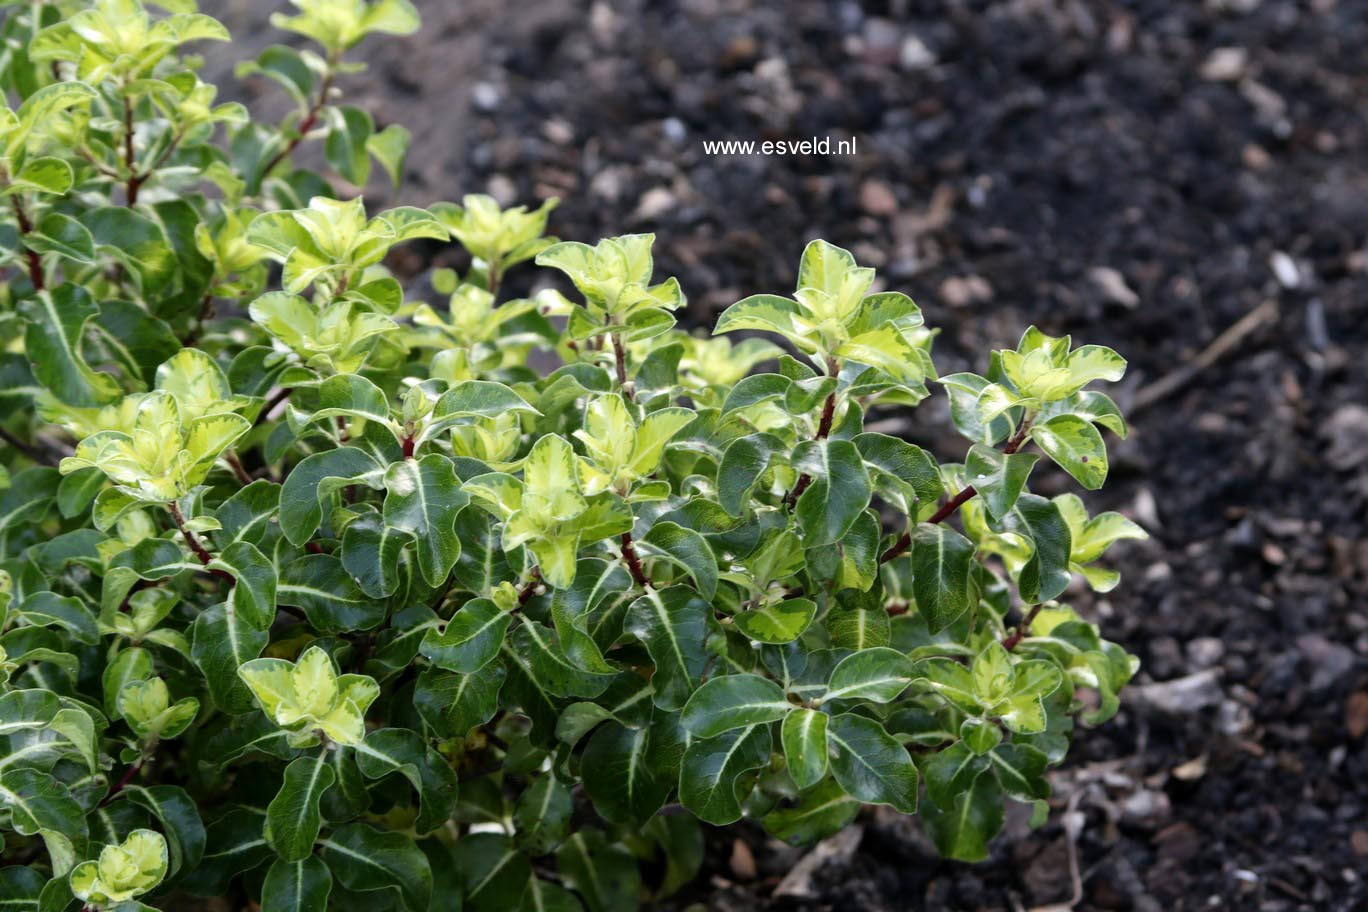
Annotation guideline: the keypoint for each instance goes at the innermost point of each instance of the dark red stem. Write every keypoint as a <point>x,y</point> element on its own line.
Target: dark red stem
<point>270,406</point>
<point>1010,643</point>
<point>127,777</point>
<point>239,470</point>
<point>633,562</point>
<point>193,541</point>
<point>529,588</point>
<point>305,125</point>
<point>949,507</point>
<point>134,179</point>
<point>620,357</point>
<point>823,431</point>
<point>35,262</point>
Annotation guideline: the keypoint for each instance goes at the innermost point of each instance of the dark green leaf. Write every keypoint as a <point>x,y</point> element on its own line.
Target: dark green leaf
<point>871,764</point>
<point>293,818</point>
<point>941,562</point>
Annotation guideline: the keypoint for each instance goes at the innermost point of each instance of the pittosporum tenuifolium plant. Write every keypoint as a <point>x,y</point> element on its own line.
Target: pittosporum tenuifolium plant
<point>318,596</point>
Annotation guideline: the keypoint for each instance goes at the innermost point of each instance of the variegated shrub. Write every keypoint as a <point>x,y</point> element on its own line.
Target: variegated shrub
<point>318,595</point>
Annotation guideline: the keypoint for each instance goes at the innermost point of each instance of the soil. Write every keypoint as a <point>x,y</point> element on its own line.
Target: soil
<point>1141,174</point>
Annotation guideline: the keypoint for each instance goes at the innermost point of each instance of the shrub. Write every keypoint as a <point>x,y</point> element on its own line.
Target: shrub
<point>319,596</point>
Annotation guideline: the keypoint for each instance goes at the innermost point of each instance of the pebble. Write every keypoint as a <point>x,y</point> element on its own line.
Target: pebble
<point>1113,286</point>
<point>654,203</point>
<point>486,96</point>
<point>1148,807</point>
<point>1285,270</point>
<point>1347,432</point>
<point>1181,696</point>
<point>558,131</point>
<point>1225,64</point>
<point>1328,661</point>
<point>1204,652</point>
<point>915,56</point>
<point>877,198</point>
<point>961,291</point>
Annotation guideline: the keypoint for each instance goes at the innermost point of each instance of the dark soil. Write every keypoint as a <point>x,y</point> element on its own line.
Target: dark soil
<point>1141,174</point>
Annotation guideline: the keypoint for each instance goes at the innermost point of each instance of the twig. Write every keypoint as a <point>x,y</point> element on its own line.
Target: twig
<point>193,541</point>
<point>239,470</point>
<point>620,357</point>
<point>280,396</point>
<point>33,260</point>
<point>124,780</point>
<point>1009,643</point>
<point>22,446</point>
<point>529,588</point>
<point>823,431</point>
<point>949,507</point>
<point>1175,380</point>
<point>307,124</point>
<point>134,179</point>
<point>633,562</point>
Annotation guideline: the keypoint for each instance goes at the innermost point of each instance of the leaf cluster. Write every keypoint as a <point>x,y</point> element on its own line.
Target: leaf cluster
<point>314,594</point>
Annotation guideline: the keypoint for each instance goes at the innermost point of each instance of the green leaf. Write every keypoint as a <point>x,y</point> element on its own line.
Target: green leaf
<point>349,130</point>
<point>765,312</point>
<point>839,492</point>
<point>1021,771</point>
<point>733,701</point>
<point>962,831</point>
<point>877,675</point>
<point>781,622</point>
<point>470,640</point>
<point>603,873</point>
<point>373,553</point>
<point>951,772</point>
<point>390,148</point>
<point>292,885</point>
<point>453,704</point>
<point>711,777</point>
<point>45,175</point>
<point>293,818</point>
<point>999,478</point>
<point>1045,574</point>
<point>544,896</point>
<point>254,592</point>
<point>871,764</point>
<point>404,752</point>
<point>52,340</point>
<point>673,625</point>
<point>804,736</point>
<point>819,813</point>
<point>316,477</point>
<point>37,801</point>
<point>941,583</point>
<point>319,584</point>
<point>64,236</point>
<point>424,498</point>
<point>542,816</point>
<point>588,613</point>
<point>493,872</point>
<point>619,776</point>
<point>137,242</point>
<point>364,859</point>
<point>1075,446</point>
<point>858,627</point>
<point>48,609</point>
<point>686,549</point>
<point>221,641</point>
<point>743,463</point>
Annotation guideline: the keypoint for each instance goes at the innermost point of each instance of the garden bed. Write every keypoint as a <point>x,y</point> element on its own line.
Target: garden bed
<point>1144,175</point>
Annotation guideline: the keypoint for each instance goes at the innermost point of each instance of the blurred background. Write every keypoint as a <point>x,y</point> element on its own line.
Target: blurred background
<point>1184,181</point>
